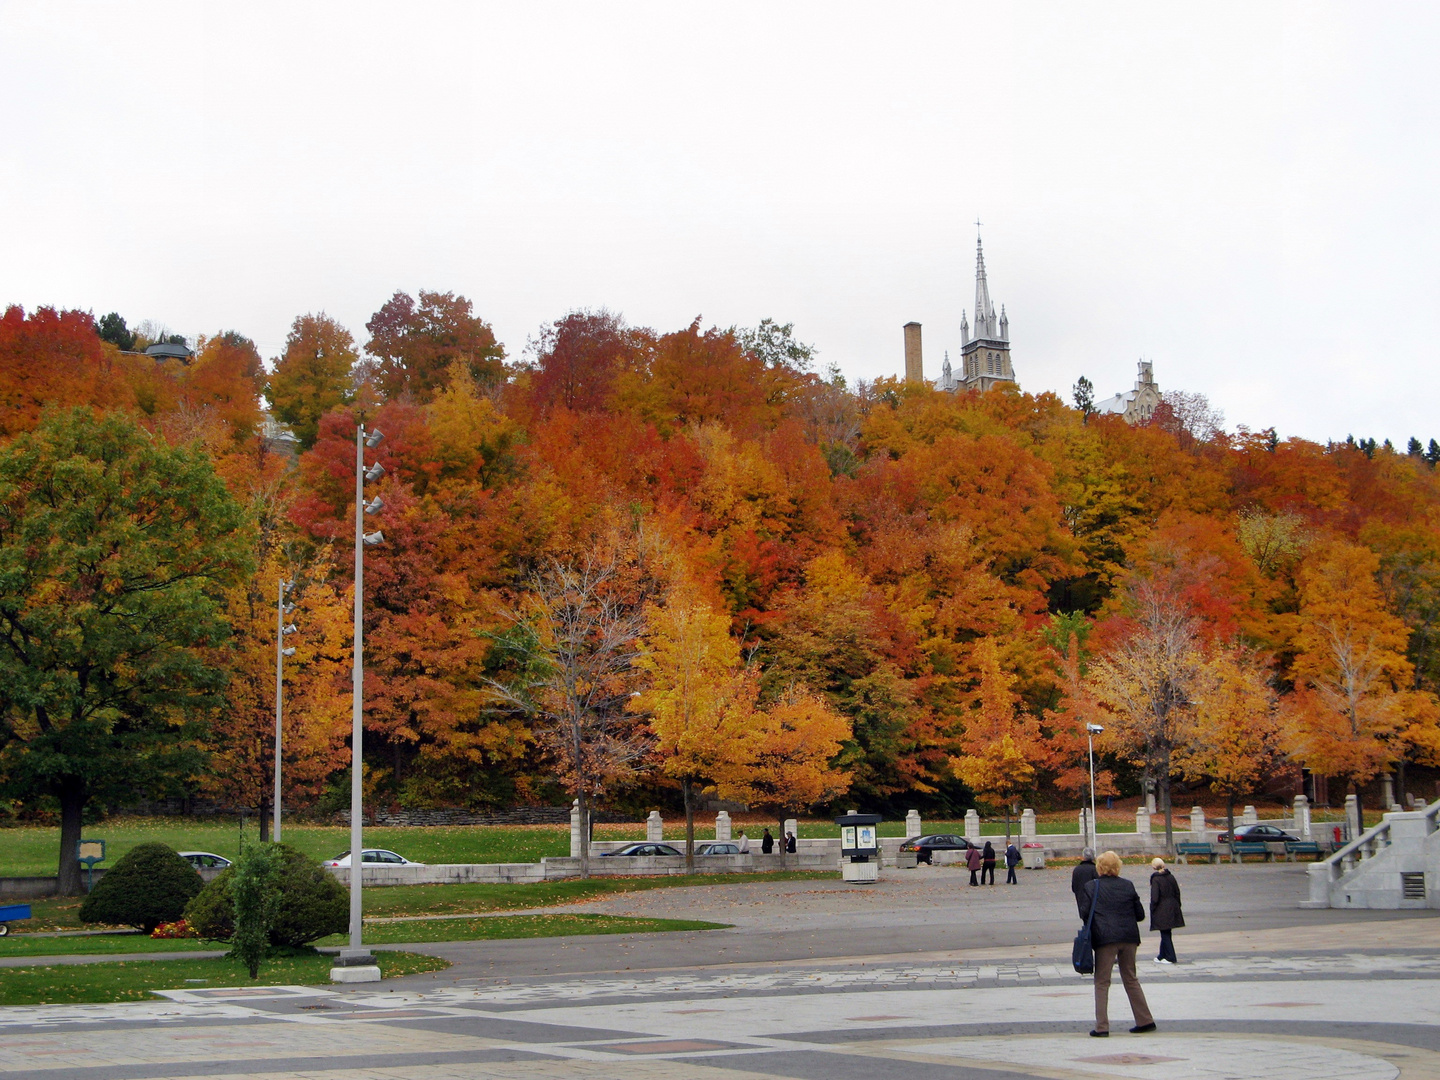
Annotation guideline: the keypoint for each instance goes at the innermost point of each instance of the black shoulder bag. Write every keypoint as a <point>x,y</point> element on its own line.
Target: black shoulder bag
<point>1083,955</point>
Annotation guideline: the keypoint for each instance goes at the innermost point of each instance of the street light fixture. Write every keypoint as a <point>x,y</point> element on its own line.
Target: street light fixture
<point>282,631</point>
<point>1091,730</point>
<point>355,964</point>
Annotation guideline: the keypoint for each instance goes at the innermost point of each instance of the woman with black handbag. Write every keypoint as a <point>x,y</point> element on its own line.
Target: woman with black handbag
<point>1115,936</point>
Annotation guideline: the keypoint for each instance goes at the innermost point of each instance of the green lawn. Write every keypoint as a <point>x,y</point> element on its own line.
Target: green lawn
<point>518,926</point>
<point>134,980</point>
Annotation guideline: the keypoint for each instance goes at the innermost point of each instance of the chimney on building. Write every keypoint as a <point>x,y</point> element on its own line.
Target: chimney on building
<point>914,363</point>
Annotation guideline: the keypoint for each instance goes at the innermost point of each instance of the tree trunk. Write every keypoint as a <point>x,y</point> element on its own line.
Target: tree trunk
<point>72,807</point>
<point>584,833</point>
<point>264,820</point>
<point>1169,817</point>
<point>1400,794</point>
<point>1230,817</point>
<point>1359,809</point>
<point>688,790</point>
<point>1007,824</point>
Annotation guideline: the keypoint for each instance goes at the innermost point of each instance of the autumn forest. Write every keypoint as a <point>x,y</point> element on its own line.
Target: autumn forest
<point>642,567</point>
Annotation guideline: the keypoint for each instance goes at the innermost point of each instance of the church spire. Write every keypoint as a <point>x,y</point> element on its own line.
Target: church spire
<point>984,310</point>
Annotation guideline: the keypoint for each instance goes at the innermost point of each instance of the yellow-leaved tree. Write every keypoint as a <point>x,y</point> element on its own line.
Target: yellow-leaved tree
<point>1351,713</point>
<point>1232,739</point>
<point>1001,743</point>
<point>700,704</point>
<point>799,736</point>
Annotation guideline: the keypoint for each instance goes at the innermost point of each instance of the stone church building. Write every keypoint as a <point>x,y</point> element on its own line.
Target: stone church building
<point>1137,406</point>
<point>984,354</point>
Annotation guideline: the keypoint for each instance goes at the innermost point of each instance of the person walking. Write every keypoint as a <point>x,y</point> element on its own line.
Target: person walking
<point>987,867</point>
<point>744,843</point>
<point>767,843</point>
<point>790,843</point>
<point>1115,935</point>
<point>1012,860</point>
<point>1081,876</point>
<point>1165,913</point>
<point>972,861</point>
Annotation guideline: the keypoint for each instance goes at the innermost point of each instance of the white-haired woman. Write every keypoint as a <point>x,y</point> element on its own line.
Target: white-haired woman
<point>1165,913</point>
<point>1115,934</point>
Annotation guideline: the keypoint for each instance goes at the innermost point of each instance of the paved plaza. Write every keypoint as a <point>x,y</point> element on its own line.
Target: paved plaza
<point>919,977</point>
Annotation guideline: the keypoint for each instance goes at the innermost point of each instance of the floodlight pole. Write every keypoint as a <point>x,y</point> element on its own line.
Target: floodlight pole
<point>357,707</point>
<point>1094,833</point>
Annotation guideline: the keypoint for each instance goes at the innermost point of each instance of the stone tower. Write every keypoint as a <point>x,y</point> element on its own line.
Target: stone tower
<point>914,361</point>
<point>985,355</point>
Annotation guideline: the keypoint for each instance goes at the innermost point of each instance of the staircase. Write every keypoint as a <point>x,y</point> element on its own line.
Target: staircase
<point>1394,865</point>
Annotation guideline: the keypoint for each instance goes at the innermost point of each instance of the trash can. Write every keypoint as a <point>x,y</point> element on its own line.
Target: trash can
<point>1033,856</point>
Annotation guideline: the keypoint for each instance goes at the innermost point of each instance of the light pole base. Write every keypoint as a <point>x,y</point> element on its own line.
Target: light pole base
<point>355,967</point>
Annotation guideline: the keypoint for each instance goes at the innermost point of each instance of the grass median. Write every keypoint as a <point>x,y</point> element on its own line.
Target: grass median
<point>136,980</point>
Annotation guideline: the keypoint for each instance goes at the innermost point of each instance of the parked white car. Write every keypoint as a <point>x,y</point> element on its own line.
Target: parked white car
<point>204,860</point>
<point>372,856</point>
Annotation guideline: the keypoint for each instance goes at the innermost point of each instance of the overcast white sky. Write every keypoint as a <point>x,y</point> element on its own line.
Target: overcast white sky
<point>1244,193</point>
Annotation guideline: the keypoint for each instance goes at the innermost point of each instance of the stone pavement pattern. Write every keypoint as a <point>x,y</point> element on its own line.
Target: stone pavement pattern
<point>1294,998</point>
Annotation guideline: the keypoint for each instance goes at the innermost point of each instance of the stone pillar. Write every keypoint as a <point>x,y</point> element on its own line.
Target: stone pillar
<point>1142,820</point>
<point>1085,826</point>
<point>972,825</point>
<point>1387,793</point>
<point>1197,823</point>
<point>1352,817</point>
<point>1248,816</point>
<point>654,828</point>
<point>1027,824</point>
<point>1150,802</point>
<point>912,824</point>
<point>575,830</point>
<point>1302,816</point>
<point>792,826</point>
<point>722,825</point>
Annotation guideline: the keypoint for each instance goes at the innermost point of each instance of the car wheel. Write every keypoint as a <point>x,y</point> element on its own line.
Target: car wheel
<point>4,929</point>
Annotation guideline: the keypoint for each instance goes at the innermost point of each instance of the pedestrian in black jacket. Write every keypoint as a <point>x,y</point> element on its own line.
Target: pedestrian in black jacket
<point>1081,876</point>
<point>1165,913</point>
<point>987,864</point>
<point>767,843</point>
<point>1115,935</point>
<point>1012,860</point>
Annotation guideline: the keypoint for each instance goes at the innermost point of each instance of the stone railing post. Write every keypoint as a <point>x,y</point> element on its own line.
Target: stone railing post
<point>654,828</point>
<point>1197,823</point>
<point>1248,816</point>
<point>912,824</point>
<point>1085,827</point>
<point>1302,816</point>
<point>1027,824</point>
<point>722,825</point>
<point>575,832</point>
<point>1142,820</point>
<point>1352,817</point>
<point>972,825</point>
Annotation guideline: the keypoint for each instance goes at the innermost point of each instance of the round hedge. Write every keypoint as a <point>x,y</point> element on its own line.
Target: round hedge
<point>312,904</point>
<point>147,886</point>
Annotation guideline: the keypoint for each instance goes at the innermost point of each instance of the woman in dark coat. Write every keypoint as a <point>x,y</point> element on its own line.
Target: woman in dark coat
<point>1165,913</point>
<point>1115,935</point>
<point>987,859</point>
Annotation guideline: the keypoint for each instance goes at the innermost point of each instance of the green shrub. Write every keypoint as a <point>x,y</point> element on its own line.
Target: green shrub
<point>148,886</point>
<point>255,887</point>
<point>312,903</point>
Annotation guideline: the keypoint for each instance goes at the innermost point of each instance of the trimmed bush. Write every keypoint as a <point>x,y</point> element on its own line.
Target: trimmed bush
<point>311,905</point>
<point>149,885</point>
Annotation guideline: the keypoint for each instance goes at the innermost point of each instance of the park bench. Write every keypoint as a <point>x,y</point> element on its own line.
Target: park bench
<point>1301,847</point>
<point>1239,850</point>
<point>1207,851</point>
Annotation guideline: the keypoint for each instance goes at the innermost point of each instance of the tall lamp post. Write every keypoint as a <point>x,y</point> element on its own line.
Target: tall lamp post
<point>355,964</point>
<point>282,631</point>
<point>1091,730</point>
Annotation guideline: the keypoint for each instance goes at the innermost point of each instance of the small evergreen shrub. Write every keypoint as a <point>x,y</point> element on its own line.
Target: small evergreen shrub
<point>149,885</point>
<point>311,904</point>
<point>254,888</point>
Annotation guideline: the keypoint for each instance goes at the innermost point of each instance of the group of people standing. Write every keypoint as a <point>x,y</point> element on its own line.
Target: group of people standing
<point>982,861</point>
<point>1112,908</point>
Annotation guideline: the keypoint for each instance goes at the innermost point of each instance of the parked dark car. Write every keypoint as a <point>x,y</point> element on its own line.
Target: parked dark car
<point>644,849</point>
<point>1259,834</point>
<point>924,845</point>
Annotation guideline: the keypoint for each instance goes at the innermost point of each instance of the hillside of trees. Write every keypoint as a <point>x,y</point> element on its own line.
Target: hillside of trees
<point>646,565</point>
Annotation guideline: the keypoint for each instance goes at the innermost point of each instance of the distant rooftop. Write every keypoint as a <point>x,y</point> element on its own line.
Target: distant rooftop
<point>169,352</point>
